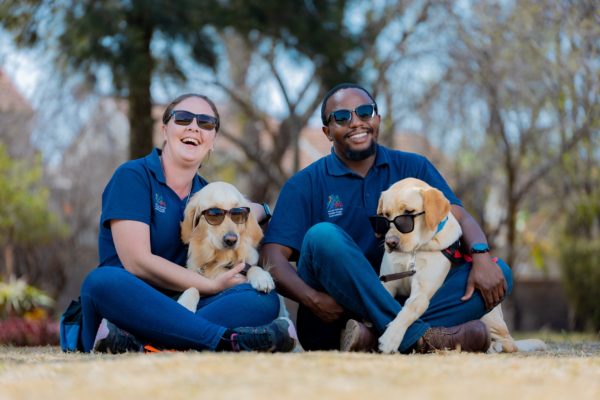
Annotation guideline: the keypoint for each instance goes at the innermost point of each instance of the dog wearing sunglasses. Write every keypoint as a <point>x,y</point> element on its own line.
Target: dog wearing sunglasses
<point>221,232</point>
<point>418,227</point>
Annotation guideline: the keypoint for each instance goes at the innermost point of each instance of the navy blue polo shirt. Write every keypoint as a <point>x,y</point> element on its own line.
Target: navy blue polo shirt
<point>328,191</point>
<point>138,191</point>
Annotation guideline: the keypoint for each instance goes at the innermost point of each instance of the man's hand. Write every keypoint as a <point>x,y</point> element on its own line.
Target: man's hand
<point>325,307</point>
<point>486,277</point>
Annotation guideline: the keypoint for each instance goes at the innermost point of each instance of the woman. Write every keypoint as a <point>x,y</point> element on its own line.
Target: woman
<point>141,256</point>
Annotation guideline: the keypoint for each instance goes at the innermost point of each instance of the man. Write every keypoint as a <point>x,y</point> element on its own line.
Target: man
<point>321,220</point>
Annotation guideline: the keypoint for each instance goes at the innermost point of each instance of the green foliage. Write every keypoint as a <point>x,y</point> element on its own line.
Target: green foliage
<point>579,258</point>
<point>24,215</point>
<point>87,35</point>
<point>18,298</point>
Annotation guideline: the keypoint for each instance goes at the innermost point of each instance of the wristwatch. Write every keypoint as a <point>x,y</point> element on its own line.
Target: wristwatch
<point>268,214</point>
<point>477,248</point>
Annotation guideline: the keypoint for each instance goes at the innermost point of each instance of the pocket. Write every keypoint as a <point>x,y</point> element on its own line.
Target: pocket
<point>70,327</point>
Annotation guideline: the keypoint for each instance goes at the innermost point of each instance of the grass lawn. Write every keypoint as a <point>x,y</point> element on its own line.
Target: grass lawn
<point>570,369</point>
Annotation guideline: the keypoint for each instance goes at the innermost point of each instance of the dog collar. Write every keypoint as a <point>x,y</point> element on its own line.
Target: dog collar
<point>441,225</point>
<point>454,254</point>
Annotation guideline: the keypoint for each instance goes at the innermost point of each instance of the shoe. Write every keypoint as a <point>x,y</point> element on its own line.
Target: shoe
<point>357,337</point>
<point>280,335</point>
<point>472,337</point>
<point>113,340</point>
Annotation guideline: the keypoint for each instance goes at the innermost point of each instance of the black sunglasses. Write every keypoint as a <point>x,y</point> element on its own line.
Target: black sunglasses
<point>205,122</point>
<point>216,216</point>
<point>405,223</point>
<point>343,117</point>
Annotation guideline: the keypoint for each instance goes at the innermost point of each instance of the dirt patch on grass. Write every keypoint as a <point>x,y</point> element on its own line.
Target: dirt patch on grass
<point>567,370</point>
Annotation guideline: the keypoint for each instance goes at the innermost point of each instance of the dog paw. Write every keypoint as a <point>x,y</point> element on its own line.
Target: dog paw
<point>390,341</point>
<point>260,279</point>
<point>189,299</point>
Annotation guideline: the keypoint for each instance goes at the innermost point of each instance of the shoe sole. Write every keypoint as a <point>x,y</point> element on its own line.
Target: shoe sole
<point>350,336</point>
<point>102,333</point>
<point>291,330</point>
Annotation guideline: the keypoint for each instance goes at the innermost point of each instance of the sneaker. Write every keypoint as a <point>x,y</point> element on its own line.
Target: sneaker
<point>357,337</point>
<point>113,340</point>
<point>472,337</point>
<point>279,335</point>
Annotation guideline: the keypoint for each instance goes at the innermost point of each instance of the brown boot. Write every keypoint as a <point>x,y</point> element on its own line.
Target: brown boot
<point>472,337</point>
<point>357,337</point>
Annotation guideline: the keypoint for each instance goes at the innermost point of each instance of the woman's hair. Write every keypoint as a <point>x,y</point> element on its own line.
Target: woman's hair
<point>171,106</point>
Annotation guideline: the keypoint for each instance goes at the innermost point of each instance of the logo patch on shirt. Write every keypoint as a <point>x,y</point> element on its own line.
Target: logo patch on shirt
<point>159,204</point>
<point>335,207</point>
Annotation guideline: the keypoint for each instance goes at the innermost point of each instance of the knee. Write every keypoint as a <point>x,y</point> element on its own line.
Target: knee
<point>267,303</point>
<point>323,231</point>
<point>324,237</point>
<point>508,275</point>
<point>98,279</point>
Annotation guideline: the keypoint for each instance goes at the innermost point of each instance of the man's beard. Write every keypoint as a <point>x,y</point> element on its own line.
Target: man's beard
<point>359,155</point>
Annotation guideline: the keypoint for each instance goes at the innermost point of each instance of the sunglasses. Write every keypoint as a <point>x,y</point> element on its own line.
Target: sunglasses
<point>205,122</point>
<point>216,216</point>
<point>405,223</point>
<point>343,117</point>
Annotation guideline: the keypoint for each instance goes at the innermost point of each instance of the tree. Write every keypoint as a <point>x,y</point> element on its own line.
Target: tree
<point>327,53</point>
<point>119,36</point>
<point>88,36</point>
<point>24,218</point>
<point>523,81</point>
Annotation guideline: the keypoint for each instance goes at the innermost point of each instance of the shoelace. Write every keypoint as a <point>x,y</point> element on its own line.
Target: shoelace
<point>254,339</point>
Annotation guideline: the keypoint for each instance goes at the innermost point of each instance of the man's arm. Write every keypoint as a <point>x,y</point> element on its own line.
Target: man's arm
<point>290,285</point>
<point>485,275</point>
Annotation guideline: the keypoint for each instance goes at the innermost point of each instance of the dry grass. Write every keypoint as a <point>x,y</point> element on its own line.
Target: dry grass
<point>570,369</point>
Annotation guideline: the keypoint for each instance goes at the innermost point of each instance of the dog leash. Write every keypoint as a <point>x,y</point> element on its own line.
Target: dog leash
<point>398,275</point>
<point>404,274</point>
<point>452,253</point>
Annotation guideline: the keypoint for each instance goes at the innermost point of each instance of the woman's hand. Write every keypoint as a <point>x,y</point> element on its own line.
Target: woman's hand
<point>228,279</point>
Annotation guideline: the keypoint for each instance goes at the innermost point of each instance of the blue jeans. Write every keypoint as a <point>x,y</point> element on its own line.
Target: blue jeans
<point>153,317</point>
<point>331,262</point>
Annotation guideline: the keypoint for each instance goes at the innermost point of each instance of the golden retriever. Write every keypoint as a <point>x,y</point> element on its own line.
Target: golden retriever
<point>420,250</point>
<point>217,246</point>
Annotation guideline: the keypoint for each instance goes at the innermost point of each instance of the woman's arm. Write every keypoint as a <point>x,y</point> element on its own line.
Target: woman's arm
<point>132,242</point>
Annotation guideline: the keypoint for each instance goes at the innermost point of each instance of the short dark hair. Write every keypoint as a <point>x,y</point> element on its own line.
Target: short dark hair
<point>336,89</point>
<point>171,106</point>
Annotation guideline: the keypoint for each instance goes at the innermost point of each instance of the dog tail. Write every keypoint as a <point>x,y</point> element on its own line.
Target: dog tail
<point>527,345</point>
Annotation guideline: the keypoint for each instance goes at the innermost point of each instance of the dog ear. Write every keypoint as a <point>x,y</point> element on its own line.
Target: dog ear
<point>253,230</point>
<point>188,223</point>
<point>436,207</point>
<point>380,204</point>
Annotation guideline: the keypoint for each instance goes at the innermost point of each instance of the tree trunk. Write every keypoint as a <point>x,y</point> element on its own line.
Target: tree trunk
<point>139,79</point>
<point>9,261</point>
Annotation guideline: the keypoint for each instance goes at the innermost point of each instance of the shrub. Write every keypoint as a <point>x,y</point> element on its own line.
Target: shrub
<point>580,263</point>
<point>24,320</point>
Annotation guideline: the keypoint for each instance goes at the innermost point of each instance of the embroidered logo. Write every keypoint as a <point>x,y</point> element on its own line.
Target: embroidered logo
<point>335,207</point>
<point>159,204</point>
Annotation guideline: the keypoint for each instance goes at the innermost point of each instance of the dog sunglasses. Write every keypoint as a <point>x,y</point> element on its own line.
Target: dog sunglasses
<point>216,216</point>
<point>343,117</point>
<point>205,122</point>
<point>405,223</point>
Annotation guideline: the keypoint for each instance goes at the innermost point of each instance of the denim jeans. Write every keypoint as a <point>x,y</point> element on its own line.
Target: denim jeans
<point>153,317</point>
<point>331,262</point>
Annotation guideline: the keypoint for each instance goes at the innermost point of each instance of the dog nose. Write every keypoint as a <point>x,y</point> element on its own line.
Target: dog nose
<point>392,242</point>
<point>230,239</point>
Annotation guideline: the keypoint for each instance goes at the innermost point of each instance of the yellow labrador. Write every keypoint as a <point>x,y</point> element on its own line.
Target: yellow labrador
<point>221,232</point>
<point>430,228</point>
